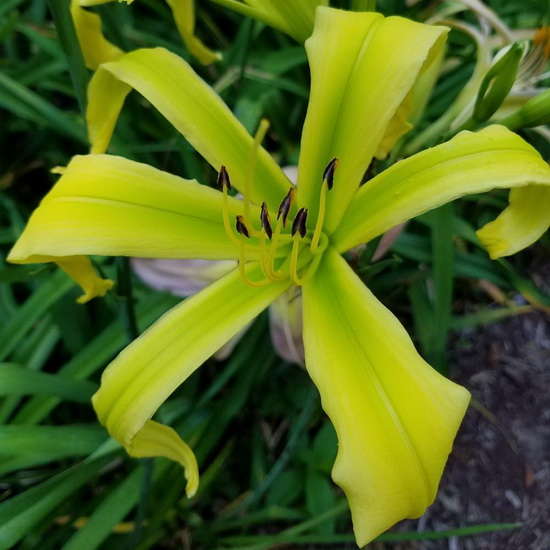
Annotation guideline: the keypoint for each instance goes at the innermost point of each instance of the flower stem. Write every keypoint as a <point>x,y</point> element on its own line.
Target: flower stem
<point>126,293</point>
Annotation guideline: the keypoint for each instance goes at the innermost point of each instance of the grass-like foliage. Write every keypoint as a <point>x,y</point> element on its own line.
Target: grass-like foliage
<point>255,422</point>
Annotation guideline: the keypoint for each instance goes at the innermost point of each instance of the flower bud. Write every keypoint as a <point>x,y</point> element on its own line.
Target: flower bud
<point>535,112</point>
<point>497,83</point>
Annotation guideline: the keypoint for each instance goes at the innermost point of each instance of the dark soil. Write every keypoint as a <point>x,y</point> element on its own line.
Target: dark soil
<point>500,467</point>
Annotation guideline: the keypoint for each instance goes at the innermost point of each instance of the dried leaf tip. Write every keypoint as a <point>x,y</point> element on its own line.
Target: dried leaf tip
<point>223,179</point>
<point>328,174</point>
<point>264,219</point>
<point>241,228</point>
<point>299,223</point>
<point>286,204</point>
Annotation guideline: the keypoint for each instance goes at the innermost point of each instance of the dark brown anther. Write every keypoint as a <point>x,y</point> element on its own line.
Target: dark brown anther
<point>223,179</point>
<point>299,223</point>
<point>328,174</point>
<point>264,219</point>
<point>286,203</point>
<point>240,226</point>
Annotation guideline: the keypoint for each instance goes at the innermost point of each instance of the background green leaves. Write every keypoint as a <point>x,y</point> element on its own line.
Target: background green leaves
<point>264,446</point>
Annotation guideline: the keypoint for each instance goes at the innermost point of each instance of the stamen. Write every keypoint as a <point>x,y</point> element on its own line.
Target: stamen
<point>328,182</point>
<point>264,219</point>
<point>240,226</point>
<point>286,205</point>
<point>298,231</point>
<point>320,217</point>
<point>270,258</point>
<point>242,270</point>
<point>223,179</point>
<point>299,223</point>
<point>296,242</point>
<point>224,183</point>
<point>258,138</point>
<point>328,174</point>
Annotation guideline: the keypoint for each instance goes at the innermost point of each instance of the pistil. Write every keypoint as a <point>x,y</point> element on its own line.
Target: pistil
<point>282,215</point>
<point>242,229</point>
<point>299,231</point>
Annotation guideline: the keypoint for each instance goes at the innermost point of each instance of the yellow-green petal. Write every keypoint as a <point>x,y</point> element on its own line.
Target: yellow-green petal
<point>193,108</point>
<point>156,439</point>
<point>96,49</point>
<point>471,162</point>
<point>294,17</point>
<point>362,96</point>
<point>144,375</point>
<point>80,269</point>
<point>108,205</point>
<point>521,224</point>
<point>184,16</point>
<point>395,416</point>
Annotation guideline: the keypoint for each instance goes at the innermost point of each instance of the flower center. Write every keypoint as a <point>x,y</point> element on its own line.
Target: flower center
<point>282,250</point>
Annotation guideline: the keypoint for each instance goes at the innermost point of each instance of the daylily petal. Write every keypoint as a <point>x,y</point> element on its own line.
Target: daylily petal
<point>144,374</point>
<point>184,16</point>
<point>96,49</point>
<point>394,415</point>
<point>294,18</point>
<point>469,163</point>
<point>290,16</point>
<point>425,83</point>
<point>362,96</point>
<point>109,205</point>
<point>172,86</point>
<point>185,278</point>
<point>155,439</point>
<point>80,269</point>
<point>521,224</point>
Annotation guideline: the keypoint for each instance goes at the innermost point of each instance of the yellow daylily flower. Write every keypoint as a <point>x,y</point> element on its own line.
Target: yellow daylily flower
<point>394,415</point>
<point>96,49</point>
<point>293,17</point>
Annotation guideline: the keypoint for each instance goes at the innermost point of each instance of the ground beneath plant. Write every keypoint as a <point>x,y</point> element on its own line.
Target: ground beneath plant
<point>500,467</point>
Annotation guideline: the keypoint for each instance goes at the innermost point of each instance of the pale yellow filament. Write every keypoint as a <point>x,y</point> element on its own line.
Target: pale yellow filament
<point>258,138</point>
<point>265,260</point>
<point>318,254</point>
<point>226,219</point>
<point>296,243</point>
<point>272,273</point>
<point>320,217</point>
<point>242,270</point>
<point>313,265</point>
